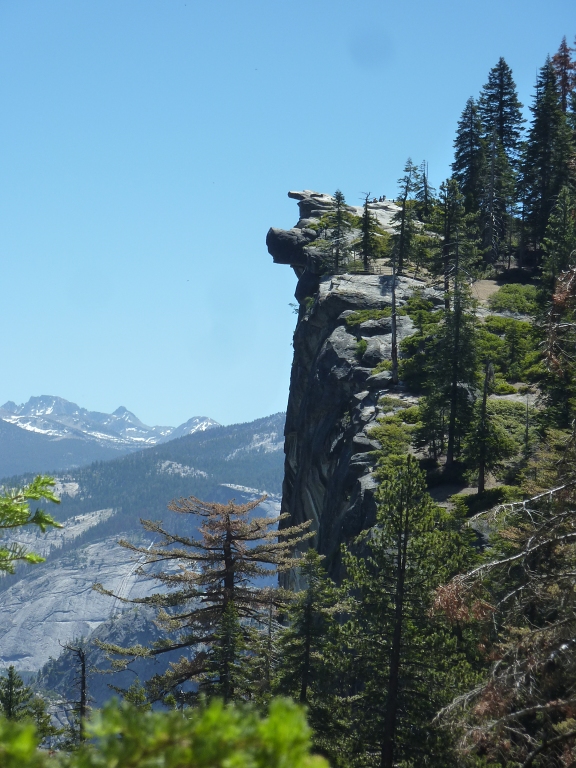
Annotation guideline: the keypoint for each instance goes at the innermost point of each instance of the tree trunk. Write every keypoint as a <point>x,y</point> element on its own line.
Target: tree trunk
<point>394,352</point>
<point>307,647</point>
<point>391,711</point>
<point>488,374</point>
<point>455,366</point>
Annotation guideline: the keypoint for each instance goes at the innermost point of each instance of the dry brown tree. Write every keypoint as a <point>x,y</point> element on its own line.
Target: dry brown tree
<point>212,598</point>
<point>524,598</point>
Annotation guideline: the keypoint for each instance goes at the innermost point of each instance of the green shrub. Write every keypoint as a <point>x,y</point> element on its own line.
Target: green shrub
<point>471,504</point>
<point>362,315</point>
<point>501,387</point>
<point>389,403</point>
<point>385,365</point>
<point>515,298</point>
<point>18,746</point>
<point>361,346</point>
<point>355,266</point>
<point>215,736</point>
<point>511,345</point>
<point>309,302</point>
<point>411,415</point>
<point>393,436</point>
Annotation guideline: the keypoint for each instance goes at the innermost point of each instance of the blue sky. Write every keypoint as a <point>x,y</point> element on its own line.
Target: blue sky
<point>147,145</point>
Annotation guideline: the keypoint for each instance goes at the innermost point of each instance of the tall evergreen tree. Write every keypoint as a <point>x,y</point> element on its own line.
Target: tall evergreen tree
<point>565,71</point>
<point>309,653</point>
<point>339,227</point>
<point>449,224</point>
<point>500,109</point>
<point>486,443</point>
<point>368,234</point>
<point>19,702</point>
<point>560,239</point>
<point>403,220</point>
<point>310,615</point>
<point>424,193</point>
<point>469,156</point>
<point>546,161</point>
<point>211,595</point>
<point>406,663</point>
<point>496,200</point>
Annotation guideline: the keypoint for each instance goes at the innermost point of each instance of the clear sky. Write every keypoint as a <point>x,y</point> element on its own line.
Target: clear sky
<point>147,145</point>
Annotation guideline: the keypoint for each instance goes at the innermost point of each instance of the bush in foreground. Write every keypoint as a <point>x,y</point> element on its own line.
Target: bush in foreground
<point>207,737</point>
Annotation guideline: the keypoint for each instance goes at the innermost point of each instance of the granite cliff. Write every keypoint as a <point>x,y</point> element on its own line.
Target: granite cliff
<point>334,393</point>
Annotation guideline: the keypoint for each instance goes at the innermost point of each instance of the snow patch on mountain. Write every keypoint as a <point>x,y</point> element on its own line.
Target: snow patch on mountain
<point>267,443</point>
<point>173,468</point>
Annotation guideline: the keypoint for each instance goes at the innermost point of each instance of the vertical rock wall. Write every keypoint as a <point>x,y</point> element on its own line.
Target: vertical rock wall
<point>333,402</point>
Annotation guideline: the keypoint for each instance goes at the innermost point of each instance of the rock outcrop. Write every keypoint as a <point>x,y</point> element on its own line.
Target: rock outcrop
<point>334,393</point>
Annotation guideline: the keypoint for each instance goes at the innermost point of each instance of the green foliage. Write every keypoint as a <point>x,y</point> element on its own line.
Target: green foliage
<point>560,240</point>
<point>383,365</point>
<point>15,512</point>
<point>547,156</point>
<point>513,347</point>
<point>488,442</point>
<point>515,298</point>
<point>354,319</point>
<point>213,736</point>
<point>500,109</point>
<point>19,702</point>
<point>392,432</point>
<point>18,746</point>
<point>469,158</point>
<point>309,653</point>
<point>501,387</point>
<point>404,220</point>
<point>361,347</point>
<point>471,504</point>
<point>212,598</point>
<point>407,661</point>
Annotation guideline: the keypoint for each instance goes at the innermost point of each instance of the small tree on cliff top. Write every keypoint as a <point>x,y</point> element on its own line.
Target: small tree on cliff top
<point>211,596</point>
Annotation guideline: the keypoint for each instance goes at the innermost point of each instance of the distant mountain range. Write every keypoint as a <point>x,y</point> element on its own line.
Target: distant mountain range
<point>50,434</point>
<point>53,602</point>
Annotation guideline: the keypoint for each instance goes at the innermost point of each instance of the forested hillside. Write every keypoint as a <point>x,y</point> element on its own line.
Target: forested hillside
<point>428,549</point>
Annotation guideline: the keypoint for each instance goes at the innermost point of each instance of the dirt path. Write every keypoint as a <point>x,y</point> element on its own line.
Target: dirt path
<point>483,289</point>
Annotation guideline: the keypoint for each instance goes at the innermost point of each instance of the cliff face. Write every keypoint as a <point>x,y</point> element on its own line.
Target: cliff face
<point>334,394</point>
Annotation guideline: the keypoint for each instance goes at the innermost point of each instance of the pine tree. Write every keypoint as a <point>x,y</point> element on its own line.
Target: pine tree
<point>496,201</point>
<point>450,361</point>
<point>487,443</point>
<point>403,220</point>
<point>546,161</point>
<point>469,156</point>
<point>302,671</point>
<point>19,702</point>
<point>212,598</point>
<point>565,71</point>
<point>560,240</point>
<point>455,374</point>
<point>500,110</point>
<point>424,193</point>
<point>449,224</point>
<point>406,664</point>
<point>340,226</point>
<point>368,234</point>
